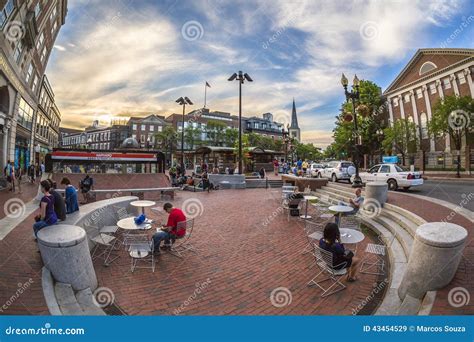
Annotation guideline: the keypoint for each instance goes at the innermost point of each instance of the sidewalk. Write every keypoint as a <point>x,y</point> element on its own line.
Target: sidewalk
<point>10,200</point>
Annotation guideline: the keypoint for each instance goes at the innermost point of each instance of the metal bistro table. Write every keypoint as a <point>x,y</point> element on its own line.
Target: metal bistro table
<point>307,198</point>
<point>348,236</point>
<point>128,224</point>
<point>340,209</point>
<point>142,204</point>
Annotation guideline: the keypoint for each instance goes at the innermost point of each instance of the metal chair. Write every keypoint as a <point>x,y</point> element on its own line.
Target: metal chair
<point>103,241</point>
<point>183,243</point>
<point>315,230</point>
<point>324,260</point>
<point>350,221</point>
<point>121,212</point>
<point>374,262</point>
<point>141,249</point>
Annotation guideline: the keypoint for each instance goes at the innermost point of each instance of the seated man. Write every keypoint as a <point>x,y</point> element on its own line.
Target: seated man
<point>59,203</point>
<point>355,203</point>
<point>170,230</point>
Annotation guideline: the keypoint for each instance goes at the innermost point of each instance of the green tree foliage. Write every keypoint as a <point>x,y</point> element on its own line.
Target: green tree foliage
<point>166,138</point>
<point>192,136</point>
<point>452,116</point>
<point>216,132</point>
<point>400,138</point>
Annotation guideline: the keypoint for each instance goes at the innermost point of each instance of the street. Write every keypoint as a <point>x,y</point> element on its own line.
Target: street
<point>451,191</point>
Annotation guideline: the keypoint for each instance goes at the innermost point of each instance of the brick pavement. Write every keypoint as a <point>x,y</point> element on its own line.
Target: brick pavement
<point>243,260</point>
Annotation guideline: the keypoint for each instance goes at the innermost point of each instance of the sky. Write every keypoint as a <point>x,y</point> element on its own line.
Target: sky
<point>121,58</point>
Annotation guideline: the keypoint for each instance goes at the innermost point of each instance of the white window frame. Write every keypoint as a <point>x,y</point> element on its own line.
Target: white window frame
<point>461,78</point>
<point>143,127</point>
<point>406,98</point>
<point>433,89</point>
<point>446,83</point>
<point>134,127</point>
<point>151,128</point>
<point>419,93</point>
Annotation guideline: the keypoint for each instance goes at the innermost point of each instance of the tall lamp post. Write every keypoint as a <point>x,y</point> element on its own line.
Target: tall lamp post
<point>183,101</point>
<point>241,77</point>
<point>286,141</point>
<point>380,136</point>
<point>354,95</point>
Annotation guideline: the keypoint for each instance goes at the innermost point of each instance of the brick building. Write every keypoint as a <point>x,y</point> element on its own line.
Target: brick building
<point>428,77</point>
<point>28,30</point>
<point>143,130</point>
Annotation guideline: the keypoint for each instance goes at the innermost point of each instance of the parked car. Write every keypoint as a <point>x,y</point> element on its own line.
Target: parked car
<point>337,170</point>
<point>313,169</point>
<point>394,175</point>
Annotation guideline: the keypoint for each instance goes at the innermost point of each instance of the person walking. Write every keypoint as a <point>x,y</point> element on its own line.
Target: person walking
<point>18,176</point>
<point>276,165</point>
<point>31,173</point>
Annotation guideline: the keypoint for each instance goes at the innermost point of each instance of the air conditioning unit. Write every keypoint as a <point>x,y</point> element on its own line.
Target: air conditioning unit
<point>31,30</point>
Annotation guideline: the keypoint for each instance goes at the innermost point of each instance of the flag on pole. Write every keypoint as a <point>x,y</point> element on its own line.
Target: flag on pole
<point>208,85</point>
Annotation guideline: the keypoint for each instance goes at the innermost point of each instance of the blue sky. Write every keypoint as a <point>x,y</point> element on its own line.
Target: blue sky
<point>122,58</point>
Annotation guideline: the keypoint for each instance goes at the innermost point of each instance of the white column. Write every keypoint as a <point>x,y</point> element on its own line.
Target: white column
<point>400,104</point>
<point>467,74</point>
<point>428,112</point>
<point>6,130</point>
<point>452,78</point>
<point>390,111</point>
<point>413,106</point>
<point>439,84</point>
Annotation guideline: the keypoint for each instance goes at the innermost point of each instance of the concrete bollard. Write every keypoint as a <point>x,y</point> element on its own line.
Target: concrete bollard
<point>434,258</point>
<point>377,191</point>
<point>65,252</point>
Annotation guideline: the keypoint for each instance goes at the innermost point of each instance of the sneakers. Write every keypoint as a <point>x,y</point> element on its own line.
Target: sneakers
<point>166,247</point>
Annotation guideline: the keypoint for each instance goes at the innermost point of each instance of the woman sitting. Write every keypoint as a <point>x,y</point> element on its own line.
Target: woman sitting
<point>72,203</point>
<point>47,215</point>
<point>342,258</point>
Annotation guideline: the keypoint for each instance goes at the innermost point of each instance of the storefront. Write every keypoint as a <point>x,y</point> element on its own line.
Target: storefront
<point>22,153</point>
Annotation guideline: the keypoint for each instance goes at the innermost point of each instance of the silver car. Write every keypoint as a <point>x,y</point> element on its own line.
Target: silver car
<point>337,170</point>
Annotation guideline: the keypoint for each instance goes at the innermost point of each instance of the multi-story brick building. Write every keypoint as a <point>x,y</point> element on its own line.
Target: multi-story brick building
<point>28,31</point>
<point>143,130</point>
<point>47,119</point>
<point>265,126</point>
<point>429,76</point>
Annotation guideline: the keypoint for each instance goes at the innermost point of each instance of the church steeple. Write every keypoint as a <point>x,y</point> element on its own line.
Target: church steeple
<point>294,118</point>
<point>294,127</point>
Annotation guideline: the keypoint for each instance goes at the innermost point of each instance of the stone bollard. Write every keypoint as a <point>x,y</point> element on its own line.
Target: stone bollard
<point>65,252</point>
<point>434,258</point>
<point>377,191</point>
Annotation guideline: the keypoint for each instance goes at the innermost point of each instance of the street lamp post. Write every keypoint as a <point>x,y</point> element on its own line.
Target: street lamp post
<point>354,95</point>
<point>183,101</point>
<point>380,137</point>
<point>241,77</point>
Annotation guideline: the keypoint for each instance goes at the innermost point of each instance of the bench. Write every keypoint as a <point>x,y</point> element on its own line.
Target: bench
<point>166,193</point>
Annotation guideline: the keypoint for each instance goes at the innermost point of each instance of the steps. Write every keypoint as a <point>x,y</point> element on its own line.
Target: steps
<point>61,299</point>
<point>263,183</point>
<point>399,226</point>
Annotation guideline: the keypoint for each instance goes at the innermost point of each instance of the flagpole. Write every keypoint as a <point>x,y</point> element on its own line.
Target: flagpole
<point>205,94</point>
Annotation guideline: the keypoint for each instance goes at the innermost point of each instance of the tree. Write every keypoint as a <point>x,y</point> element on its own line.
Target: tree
<point>166,140</point>
<point>308,151</point>
<point>401,137</point>
<point>216,132</point>
<point>452,117</point>
<point>231,135</point>
<point>192,136</point>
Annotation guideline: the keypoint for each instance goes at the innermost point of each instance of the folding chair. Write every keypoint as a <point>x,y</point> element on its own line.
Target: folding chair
<point>121,212</point>
<point>374,262</point>
<point>324,260</point>
<point>183,243</point>
<point>141,249</point>
<point>314,232</point>
<point>103,241</point>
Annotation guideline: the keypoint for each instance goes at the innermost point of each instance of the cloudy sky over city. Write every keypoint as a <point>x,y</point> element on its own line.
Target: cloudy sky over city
<point>122,58</point>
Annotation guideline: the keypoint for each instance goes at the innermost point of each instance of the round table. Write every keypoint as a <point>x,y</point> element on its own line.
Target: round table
<point>340,209</point>
<point>129,224</point>
<point>307,198</point>
<point>142,204</point>
<point>351,236</point>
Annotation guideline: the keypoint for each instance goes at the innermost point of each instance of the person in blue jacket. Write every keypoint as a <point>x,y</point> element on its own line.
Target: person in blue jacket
<point>72,203</point>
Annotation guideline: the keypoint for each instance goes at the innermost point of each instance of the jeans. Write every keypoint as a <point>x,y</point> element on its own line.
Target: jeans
<point>37,226</point>
<point>158,237</point>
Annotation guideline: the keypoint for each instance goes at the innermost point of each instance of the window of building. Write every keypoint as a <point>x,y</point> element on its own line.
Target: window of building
<point>446,83</point>
<point>29,72</point>
<point>407,98</point>
<point>152,128</point>
<point>35,83</point>
<point>433,88</point>
<point>25,114</point>
<point>143,127</point>
<point>134,127</point>
<point>18,51</point>
<point>53,13</point>
<point>37,9</point>
<point>419,93</point>
<point>5,12</point>
<point>40,41</point>
<point>427,67</point>
<point>424,125</point>
<point>395,102</point>
<point>461,78</point>
<point>160,128</point>
<point>255,125</point>
<point>55,26</point>
<point>43,54</point>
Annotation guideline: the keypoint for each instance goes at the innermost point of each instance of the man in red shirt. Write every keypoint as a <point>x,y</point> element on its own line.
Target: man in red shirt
<point>170,231</point>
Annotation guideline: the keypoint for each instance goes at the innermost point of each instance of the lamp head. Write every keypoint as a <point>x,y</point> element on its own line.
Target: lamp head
<point>188,101</point>
<point>180,101</point>
<point>356,81</point>
<point>233,77</point>
<point>344,80</point>
<point>247,77</point>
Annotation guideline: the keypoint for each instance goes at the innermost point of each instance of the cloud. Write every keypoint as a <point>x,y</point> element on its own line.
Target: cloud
<point>129,58</point>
